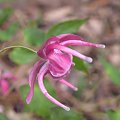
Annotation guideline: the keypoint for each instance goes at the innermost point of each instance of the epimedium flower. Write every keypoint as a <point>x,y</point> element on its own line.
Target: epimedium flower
<point>57,60</point>
<point>5,78</point>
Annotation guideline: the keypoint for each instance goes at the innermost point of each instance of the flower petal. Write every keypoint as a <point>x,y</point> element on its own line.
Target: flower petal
<point>8,75</point>
<point>60,63</point>
<point>42,51</point>
<point>32,79</point>
<point>82,43</point>
<point>41,74</point>
<point>70,51</point>
<point>65,37</point>
<point>4,87</point>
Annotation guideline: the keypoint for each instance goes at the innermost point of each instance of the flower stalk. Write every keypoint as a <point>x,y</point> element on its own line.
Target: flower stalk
<point>11,47</point>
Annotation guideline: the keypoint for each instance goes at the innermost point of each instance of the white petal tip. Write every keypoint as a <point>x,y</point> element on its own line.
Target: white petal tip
<point>66,108</point>
<point>88,59</point>
<point>101,46</point>
<point>76,89</point>
<point>73,63</point>
<point>27,101</point>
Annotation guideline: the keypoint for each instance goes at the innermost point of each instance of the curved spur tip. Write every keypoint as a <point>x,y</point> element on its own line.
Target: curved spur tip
<point>27,101</point>
<point>66,108</point>
<point>76,89</point>
<point>89,59</point>
<point>102,46</point>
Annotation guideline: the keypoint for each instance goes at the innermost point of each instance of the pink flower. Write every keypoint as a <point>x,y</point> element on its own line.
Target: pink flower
<point>4,81</point>
<point>57,62</point>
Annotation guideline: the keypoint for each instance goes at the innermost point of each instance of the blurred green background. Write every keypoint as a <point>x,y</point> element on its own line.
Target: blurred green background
<point>30,23</point>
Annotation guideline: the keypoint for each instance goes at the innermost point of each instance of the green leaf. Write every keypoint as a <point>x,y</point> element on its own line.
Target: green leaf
<point>22,56</point>
<point>6,35</point>
<point>5,14</point>
<point>112,71</point>
<point>65,115</point>
<point>39,105</point>
<point>114,115</point>
<point>70,26</point>
<point>80,64</point>
<point>34,36</point>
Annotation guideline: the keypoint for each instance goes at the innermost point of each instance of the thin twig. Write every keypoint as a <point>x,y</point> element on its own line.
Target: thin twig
<point>10,47</point>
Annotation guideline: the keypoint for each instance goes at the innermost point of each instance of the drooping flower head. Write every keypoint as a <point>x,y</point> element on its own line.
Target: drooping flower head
<point>57,60</point>
<point>5,78</point>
